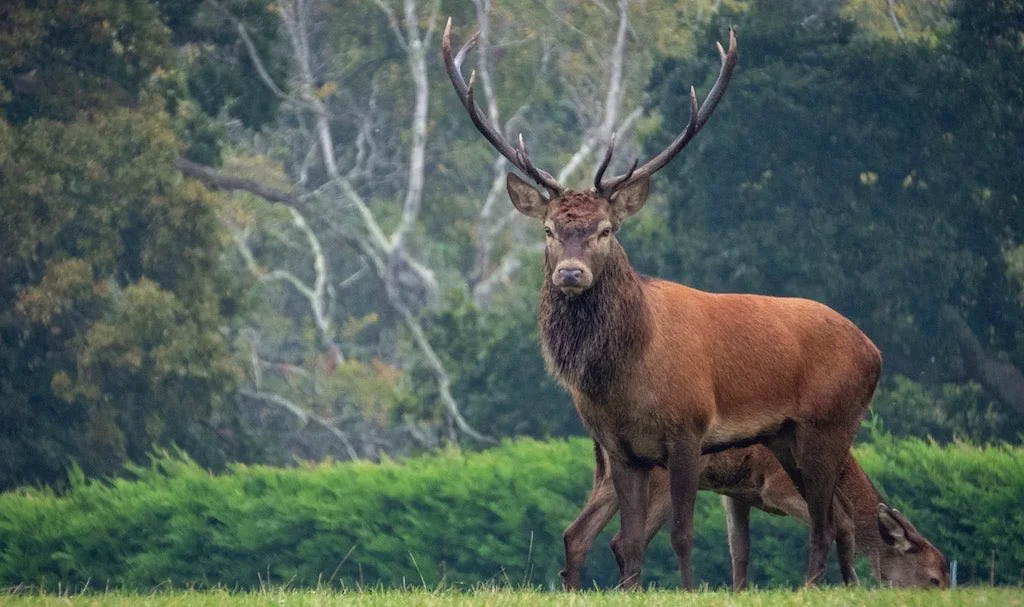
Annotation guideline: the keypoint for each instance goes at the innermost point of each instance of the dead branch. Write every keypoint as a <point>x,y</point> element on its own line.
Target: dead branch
<point>303,416</point>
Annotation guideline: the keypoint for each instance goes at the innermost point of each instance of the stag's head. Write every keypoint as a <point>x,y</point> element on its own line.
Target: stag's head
<point>580,226</point>
<point>908,560</point>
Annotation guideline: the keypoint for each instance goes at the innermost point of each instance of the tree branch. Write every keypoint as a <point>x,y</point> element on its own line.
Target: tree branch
<point>304,416</point>
<point>315,295</point>
<point>392,22</point>
<point>416,52</point>
<point>436,366</point>
<point>217,180</point>
<point>387,257</point>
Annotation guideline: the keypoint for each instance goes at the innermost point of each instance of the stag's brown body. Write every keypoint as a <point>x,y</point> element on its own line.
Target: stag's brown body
<point>660,372</point>
<point>643,356</point>
<point>751,477</point>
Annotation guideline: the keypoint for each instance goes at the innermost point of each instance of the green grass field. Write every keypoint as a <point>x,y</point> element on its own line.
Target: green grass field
<point>997,597</point>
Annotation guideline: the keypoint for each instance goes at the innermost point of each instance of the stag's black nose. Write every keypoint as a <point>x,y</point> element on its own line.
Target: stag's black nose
<point>570,276</point>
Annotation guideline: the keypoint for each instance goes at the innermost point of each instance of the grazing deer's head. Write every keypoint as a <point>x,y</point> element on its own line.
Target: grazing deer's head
<point>580,225</point>
<point>908,559</point>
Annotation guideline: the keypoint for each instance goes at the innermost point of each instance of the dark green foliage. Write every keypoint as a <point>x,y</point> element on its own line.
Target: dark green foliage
<point>111,314</point>
<point>492,516</point>
<point>943,412</point>
<point>112,297</point>
<point>222,76</point>
<point>61,57</point>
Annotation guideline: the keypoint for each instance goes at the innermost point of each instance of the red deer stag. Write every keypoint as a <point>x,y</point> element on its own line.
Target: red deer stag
<point>660,372</point>
<point>752,477</point>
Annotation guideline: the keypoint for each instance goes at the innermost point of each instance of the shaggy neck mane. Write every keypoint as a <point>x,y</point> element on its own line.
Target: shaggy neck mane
<point>590,340</point>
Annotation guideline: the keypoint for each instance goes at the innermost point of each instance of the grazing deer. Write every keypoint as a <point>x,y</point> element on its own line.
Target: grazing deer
<point>660,372</point>
<point>752,477</point>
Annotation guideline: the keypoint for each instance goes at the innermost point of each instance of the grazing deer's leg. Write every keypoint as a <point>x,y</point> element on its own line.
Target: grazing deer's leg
<point>579,536</point>
<point>684,474</point>
<point>737,523</point>
<point>628,544</point>
<point>846,546</point>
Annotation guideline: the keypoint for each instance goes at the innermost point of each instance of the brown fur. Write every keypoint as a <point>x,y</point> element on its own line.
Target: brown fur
<point>752,477</point>
<point>660,372</point>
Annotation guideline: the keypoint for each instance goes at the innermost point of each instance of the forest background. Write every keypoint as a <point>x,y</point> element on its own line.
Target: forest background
<point>265,231</point>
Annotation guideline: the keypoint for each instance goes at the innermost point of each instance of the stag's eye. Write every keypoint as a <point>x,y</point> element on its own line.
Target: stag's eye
<point>548,232</point>
<point>605,233</point>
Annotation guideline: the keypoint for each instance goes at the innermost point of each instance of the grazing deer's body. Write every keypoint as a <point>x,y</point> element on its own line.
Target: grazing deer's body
<point>751,477</point>
<point>660,372</point>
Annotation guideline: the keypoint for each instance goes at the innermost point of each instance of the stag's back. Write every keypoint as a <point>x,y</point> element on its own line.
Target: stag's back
<point>755,361</point>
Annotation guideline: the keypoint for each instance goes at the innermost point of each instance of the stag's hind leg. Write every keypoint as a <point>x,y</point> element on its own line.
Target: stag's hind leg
<point>683,476</point>
<point>813,457</point>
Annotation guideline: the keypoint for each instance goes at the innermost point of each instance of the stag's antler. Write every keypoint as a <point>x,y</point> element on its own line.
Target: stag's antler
<point>518,156</point>
<point>699,116</point>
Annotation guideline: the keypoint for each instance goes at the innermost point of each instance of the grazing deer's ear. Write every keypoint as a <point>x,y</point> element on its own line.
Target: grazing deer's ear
<point>893,532</point>
<point>631,198</point>
<point>526,199</point>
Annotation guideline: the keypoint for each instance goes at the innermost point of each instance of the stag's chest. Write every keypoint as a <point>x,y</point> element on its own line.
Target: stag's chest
<point>594,348</point>
<point>630,431</point>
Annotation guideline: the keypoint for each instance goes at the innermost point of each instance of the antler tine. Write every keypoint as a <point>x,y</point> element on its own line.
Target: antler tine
<point>604,164</point>
<point>699,115</point>
<point>612,185</point>
<point>724,76</point>
<point>540,176</point>
<point>622,179</point>
<point>519,159</point>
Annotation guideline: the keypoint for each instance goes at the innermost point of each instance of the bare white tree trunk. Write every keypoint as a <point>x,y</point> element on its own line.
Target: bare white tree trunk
<point>387,256</point>
<point>895,21</point>
<point>416,51</point>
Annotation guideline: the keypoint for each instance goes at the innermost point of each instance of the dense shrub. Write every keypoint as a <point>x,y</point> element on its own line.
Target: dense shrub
<point>459,518</point>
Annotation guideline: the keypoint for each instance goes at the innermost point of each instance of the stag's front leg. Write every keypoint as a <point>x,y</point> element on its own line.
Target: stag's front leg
<point>684,474</point>
<point>629,543</point>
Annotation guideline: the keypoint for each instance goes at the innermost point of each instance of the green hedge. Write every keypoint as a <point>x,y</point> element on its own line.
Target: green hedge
<point>459,518</point>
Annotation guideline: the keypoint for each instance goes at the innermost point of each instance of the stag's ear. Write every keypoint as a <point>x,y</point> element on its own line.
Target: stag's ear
<point>630,199</point>
<point>526,199</point>
<point>894,532</point>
